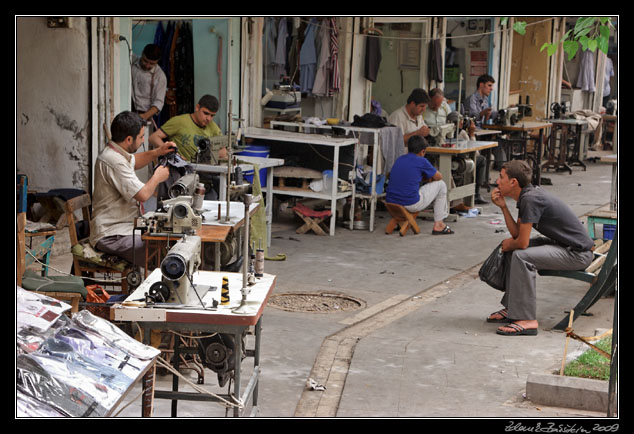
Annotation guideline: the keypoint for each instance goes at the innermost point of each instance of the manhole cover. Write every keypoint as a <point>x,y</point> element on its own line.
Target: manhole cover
<point>319,302</point>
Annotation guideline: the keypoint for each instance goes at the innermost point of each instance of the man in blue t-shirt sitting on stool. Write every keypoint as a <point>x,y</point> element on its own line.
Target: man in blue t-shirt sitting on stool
<point>415,183</point>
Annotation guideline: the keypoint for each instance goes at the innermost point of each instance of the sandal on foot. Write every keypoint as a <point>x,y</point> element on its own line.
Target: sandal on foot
<point>518,330</point>
<point>446,231</point>
<point>503,313</point>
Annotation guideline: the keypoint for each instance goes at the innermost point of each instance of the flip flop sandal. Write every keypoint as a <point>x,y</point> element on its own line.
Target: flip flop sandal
<point>518,330</point>
<point>446,231</point>
<point>502,313</point>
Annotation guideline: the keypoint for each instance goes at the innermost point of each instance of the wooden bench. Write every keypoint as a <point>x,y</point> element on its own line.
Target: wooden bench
<point>306,175</point>
<point>601,274</point>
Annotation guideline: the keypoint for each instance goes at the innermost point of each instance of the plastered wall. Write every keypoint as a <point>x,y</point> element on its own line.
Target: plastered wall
<point>52,103</point>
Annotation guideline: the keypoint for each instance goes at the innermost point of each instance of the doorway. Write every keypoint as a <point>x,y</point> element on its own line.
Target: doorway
<point>403,47</point>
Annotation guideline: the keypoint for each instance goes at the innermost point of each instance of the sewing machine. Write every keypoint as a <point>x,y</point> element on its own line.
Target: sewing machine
<point>514,114</point>
<point>438,134</point>
<point>175,216</point>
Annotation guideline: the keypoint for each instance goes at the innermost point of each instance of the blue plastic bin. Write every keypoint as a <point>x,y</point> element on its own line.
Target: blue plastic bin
<point>608,231</point>
<point>262,151</point>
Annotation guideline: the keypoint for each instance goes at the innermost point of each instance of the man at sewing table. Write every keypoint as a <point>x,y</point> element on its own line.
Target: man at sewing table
<point>187,129</point>
<point>118,192</point>
<point>410,116</point>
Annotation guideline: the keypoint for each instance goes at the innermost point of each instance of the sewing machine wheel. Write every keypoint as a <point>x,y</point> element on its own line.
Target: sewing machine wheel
<point>159,292</point>
<point>134,279</point>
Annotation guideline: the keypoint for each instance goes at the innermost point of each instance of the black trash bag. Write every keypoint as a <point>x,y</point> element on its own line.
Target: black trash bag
<point>493,270</point>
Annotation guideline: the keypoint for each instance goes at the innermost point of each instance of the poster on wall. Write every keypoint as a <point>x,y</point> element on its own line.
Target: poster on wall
<point>479,63</point>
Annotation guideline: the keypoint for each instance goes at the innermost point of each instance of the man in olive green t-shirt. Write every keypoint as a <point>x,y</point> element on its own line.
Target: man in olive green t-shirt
<point>187,129</point>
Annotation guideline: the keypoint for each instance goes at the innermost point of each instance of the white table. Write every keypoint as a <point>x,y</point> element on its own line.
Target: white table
<point>307,139</point>
<point>376,165</point>
<point>461,147</point>
<point>221,320</point>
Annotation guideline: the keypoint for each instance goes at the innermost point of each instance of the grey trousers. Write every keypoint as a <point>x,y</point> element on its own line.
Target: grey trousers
<point>436,192</point>
<point>520,297</point>
<point>121,245</point>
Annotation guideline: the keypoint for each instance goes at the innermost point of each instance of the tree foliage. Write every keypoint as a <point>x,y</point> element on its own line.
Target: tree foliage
<point>589,32</point>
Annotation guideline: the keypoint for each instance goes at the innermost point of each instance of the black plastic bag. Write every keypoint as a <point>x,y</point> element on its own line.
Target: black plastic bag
<point>493,270</point>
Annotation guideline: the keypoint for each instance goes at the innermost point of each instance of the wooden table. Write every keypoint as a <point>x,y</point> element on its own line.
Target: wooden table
<point>221,320</point>
<point>521,129</point>
<point>461,147</point>
<point>308,140</point>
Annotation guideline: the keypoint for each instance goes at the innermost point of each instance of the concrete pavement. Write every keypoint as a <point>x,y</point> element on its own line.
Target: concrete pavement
<point>420,346</point>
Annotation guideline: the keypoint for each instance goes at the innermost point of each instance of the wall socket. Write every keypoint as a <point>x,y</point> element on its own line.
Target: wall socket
<point>58,22</point>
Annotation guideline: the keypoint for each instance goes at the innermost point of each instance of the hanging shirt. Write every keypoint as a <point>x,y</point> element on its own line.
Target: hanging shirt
<point>335,81</point>
<point>308,58</point>
<point>321,85</point>
<point>585,79</point>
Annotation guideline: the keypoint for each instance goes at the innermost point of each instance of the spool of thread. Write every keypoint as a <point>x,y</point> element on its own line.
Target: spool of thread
<point>239,176</point>
<point>259,263</point>
<point>199,196</point>
<point>224,295</point>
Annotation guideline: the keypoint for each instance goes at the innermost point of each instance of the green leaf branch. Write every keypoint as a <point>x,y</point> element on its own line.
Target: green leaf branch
<point>589,32</point>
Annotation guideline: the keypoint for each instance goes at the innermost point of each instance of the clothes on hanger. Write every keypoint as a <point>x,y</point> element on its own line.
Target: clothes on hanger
<point>308,58</point>
<point>372,57</point>
<point>335,80</point>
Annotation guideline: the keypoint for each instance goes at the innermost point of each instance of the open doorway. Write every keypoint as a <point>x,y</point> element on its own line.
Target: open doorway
<point>530,67</point>
<point>403,43</point>
<point>196,59</point>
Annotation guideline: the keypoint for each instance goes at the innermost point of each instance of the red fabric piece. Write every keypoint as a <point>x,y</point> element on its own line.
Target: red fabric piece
<point>304,210</point>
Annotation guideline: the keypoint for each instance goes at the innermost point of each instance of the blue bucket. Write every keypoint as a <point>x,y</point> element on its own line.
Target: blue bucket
<point>256,151</point>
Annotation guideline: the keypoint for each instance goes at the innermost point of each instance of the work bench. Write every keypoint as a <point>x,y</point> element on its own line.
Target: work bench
<point>521,131</point>
<point>214,230</point>
<point>308,140</point>
<point>466,148</point>
<point>195,320</point>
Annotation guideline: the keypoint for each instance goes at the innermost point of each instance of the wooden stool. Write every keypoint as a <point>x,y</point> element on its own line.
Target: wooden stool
<point>313,220</point>
<point>402,218</point>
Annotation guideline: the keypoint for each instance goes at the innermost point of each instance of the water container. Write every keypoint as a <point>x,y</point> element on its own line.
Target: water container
<point>608,231</point>
<point>253,150</point>
<point>327,179</point>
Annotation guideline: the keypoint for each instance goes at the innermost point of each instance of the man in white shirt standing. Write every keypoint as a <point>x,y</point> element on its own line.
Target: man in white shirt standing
<point>410,116</point>
<point>118,193</point>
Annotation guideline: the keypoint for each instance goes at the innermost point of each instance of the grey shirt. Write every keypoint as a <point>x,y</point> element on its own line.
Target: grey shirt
<point>475,104</point>
<point>552,218</point>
